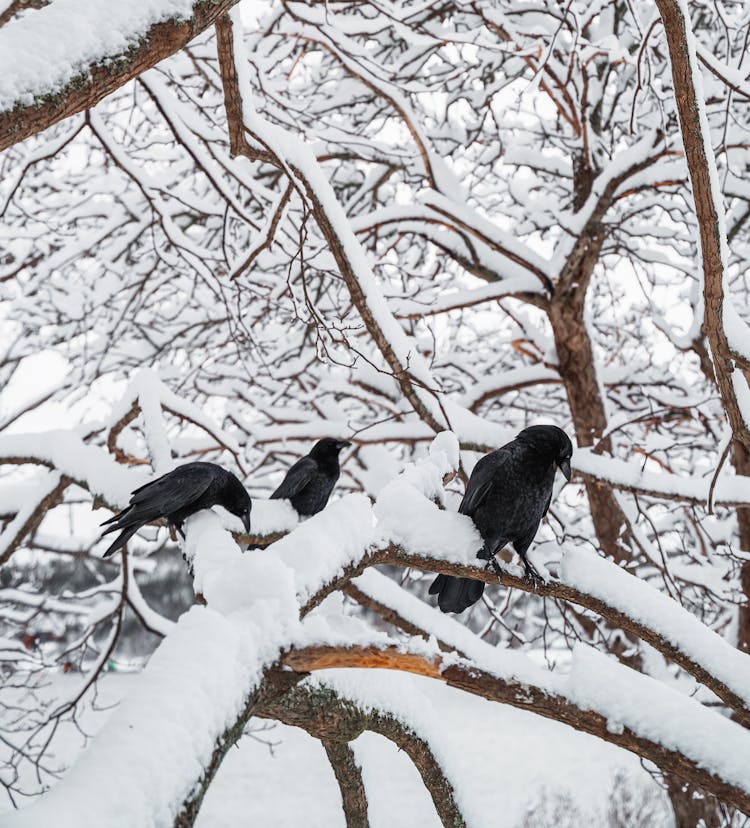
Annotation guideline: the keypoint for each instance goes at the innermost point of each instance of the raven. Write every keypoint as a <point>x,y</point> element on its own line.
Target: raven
<point>507,496</point>
<point>310,481</point>
<point>177,495</point>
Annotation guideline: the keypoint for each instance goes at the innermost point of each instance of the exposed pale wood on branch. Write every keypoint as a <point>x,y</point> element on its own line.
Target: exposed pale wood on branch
<point>525,697</point>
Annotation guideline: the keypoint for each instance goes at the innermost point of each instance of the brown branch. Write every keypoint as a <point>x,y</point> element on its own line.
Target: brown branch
<point>102,78</point>
<point>31,523</point>
<point>17,6</point>
<point>268,237</point>
<point>324,657</point>
<point>349,776</point>
<point>117,428</point>
<point>706,210</point>
<point>524,696</point>
<point>329,717</point>
<point>396,556</point>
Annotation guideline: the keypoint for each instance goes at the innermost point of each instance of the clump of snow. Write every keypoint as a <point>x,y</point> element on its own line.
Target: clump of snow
<point>268,517</point>
<point>408,518</point>
<point>444,452</point>
<point>207,546</point>
<point>229,579</point>
<point>426,478</point>
<point>321,547</point>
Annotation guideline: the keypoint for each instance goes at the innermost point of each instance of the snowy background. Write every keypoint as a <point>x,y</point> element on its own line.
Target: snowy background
<point>419,227</point>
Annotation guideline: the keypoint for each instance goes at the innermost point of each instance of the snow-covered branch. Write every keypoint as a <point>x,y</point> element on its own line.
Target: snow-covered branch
<point>67,56</point>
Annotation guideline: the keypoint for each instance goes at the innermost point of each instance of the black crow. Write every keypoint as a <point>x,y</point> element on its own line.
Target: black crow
<point>507,496</point>
<point>177,495</point>
<point>310,481</point>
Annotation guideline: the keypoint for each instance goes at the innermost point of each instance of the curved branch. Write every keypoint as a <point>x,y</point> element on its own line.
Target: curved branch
<point>673,650</point>
<point>325,714</point>
<point>524,695</point>
<point>349,776</point>
<point>33,518</point>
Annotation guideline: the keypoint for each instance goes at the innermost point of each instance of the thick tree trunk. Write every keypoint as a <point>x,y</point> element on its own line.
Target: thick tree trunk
<point>691,808</point>
<point>578,372</point>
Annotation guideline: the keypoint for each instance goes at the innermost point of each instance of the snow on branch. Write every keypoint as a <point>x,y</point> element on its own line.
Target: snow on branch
<point>46,492</point>
<point>265,610</point>
<point>600,697</point>
<point>66,452</point>
<point>301,165</point>
<point>66,57</point>
<point>630,476</point>
<point>148,758</point>
<point>337,709</point>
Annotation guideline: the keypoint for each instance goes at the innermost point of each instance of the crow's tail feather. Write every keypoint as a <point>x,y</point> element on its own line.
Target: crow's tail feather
<point>114,518</point>
<point>456,594</point>
<point>121,539</point>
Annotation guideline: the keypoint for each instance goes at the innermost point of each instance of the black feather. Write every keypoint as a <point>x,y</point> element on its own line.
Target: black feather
<point>177,495</point>
<point>309,482</point>
<point>507,496</point>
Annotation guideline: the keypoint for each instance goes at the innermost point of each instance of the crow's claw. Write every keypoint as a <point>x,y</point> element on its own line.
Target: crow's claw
<point>495,567</point>
<point>532,576</point>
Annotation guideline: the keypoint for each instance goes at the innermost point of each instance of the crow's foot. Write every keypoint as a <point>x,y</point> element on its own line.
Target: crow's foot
<point>531,575</point>
<point>495,567</point>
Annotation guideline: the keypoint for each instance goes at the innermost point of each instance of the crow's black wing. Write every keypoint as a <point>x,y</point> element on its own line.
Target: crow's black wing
<point>486,474</point>
<point>300,474</point>
<point>167,494</point>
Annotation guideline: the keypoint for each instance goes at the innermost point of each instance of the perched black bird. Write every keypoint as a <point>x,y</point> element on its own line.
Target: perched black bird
<point>177,495</point>
<point>310,481</point>
<point>507,496</point>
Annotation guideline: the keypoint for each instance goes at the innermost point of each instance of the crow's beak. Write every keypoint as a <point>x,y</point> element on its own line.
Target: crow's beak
<point>246,521</point>
<point>565,468</point>
<point>342,444</point>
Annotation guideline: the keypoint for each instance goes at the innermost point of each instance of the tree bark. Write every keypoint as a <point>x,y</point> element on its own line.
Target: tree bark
<point>349,776</point>
<point>525,696</point>
<point>331,718</point>
<point>100,79</point>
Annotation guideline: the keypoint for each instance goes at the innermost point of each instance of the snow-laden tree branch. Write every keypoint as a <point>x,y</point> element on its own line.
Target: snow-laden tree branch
<point>97,50</point>
<point>261,601</point>
<point>337,721</point>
